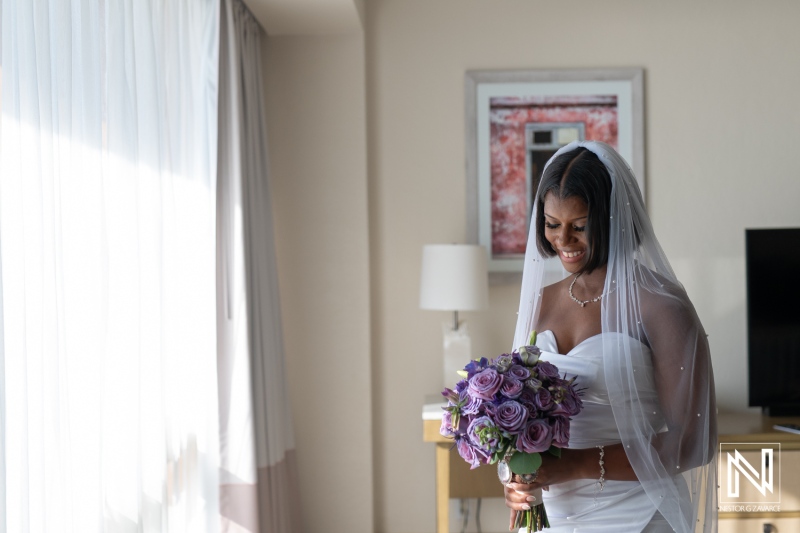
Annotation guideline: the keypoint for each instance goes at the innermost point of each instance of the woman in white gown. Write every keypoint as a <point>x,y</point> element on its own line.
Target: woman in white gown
<point>641,455</point>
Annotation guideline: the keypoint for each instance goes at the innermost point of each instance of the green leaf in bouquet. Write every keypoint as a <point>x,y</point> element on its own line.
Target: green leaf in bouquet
<point>554,450</point>
<point>463,373</point>
<point>532,339</point>
<point>525,463</point>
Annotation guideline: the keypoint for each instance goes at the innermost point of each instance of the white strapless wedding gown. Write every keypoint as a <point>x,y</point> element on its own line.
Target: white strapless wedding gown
<point>577,506</point>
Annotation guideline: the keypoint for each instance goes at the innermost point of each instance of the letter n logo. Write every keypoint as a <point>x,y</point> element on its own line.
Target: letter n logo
<point>737,464</point>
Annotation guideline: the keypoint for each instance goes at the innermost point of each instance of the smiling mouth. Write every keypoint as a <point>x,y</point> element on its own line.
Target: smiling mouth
<point>571,255</point>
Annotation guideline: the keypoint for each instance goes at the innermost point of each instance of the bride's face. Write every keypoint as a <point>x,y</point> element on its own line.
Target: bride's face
<point>565,228</point>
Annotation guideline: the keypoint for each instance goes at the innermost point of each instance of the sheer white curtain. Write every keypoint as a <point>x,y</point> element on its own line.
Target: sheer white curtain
<point>107,239</point>
<point>258,476</point>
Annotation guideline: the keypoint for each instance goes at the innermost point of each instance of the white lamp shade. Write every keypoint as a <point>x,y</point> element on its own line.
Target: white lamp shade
<point>455,277</point>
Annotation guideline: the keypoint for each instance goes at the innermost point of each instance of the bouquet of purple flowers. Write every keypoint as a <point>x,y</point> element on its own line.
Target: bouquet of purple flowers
<point>508,411</point>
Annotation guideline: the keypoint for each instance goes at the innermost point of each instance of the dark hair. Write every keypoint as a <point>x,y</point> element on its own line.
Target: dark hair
<point>581,174</point>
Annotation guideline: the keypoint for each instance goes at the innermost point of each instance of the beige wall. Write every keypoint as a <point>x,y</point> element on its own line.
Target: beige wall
<point>722,123</point>
<point>317,143</point>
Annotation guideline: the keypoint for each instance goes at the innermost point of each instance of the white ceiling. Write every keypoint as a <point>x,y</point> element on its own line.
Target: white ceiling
<point>308,17</point>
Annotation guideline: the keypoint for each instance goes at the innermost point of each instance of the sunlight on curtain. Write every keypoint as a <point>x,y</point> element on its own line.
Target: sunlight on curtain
<point>107,241</point>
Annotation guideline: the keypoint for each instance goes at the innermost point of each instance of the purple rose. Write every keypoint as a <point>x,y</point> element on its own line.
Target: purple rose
<point>547,370</point>
<point>485,384</point>
<point>542,399</point>
<point>559,426</point>
<point>533,383</point>
<point>483,433</point>
<point>570,404</point>
<point>536,437</point>
<point>511,387</point>
<point>511,416</point>
<point>519,372</point>
<point>473,405</point>
<point>503,363</point>
<point>527,400</point>
<point>470,454</point>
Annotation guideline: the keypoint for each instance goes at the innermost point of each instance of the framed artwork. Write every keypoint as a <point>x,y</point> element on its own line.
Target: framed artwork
<point>515,121</point>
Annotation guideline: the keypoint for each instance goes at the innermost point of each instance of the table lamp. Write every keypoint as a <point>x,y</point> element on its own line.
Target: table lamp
<point>454,278</point>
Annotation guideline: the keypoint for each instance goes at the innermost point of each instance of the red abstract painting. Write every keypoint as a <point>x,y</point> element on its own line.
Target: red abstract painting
<point>510,164</point>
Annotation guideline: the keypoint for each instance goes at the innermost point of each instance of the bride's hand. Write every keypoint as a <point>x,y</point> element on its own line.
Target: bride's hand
<point>552,471</point>
<point>519,496</point>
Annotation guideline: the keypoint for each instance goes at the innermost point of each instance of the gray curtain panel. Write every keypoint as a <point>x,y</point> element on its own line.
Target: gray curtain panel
<point>258,481</point>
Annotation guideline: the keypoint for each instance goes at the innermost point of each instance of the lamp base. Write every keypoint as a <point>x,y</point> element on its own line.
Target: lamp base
<point>457,352</point>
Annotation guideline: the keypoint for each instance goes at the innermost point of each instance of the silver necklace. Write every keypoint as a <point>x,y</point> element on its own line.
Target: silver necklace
<point>582,303</point>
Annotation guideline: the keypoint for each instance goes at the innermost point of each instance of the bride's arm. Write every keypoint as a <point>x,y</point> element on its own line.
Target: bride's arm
<point>573,464</point>
<point>684,382</point>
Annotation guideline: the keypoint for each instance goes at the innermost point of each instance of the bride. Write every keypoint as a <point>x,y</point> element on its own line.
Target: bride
<point>642,452</point>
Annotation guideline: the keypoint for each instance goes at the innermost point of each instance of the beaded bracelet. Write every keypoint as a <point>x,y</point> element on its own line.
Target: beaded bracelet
<point>602,481</point>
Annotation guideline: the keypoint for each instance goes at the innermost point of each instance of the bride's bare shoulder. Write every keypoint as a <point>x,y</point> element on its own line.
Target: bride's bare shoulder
<point>665,301</point>
<point>551,290</point>
<point>550,296</point>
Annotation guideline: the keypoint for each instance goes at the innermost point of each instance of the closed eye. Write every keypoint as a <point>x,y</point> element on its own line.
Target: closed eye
<point>556,226</point>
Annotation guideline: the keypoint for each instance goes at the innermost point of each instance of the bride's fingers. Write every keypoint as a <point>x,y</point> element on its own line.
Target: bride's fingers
<point>519,506</point>
<point>512,519</point>
<point>518,500</point>
<point>525,487</point>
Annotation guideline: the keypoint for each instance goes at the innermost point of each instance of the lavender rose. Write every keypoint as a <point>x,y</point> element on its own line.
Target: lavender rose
<point>533,384</point>
<point>470,454</point>
<point>542,400</point>
<point>547,370</point>
<point>570,404</point>
<point>519,372</point>
<point>485,384</point>
<point>511,387</point>
<point>503,363</point>
<point>536,437</point>
<point>559,426</point>
<point>473,405</point>
<point>526,399</point>
<point>511,416</point>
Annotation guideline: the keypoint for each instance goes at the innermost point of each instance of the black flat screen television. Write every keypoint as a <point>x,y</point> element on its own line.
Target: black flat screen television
<point>773,319</point>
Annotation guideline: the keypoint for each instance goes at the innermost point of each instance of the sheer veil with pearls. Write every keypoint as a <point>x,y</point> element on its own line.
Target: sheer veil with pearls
<point>671,444</point>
